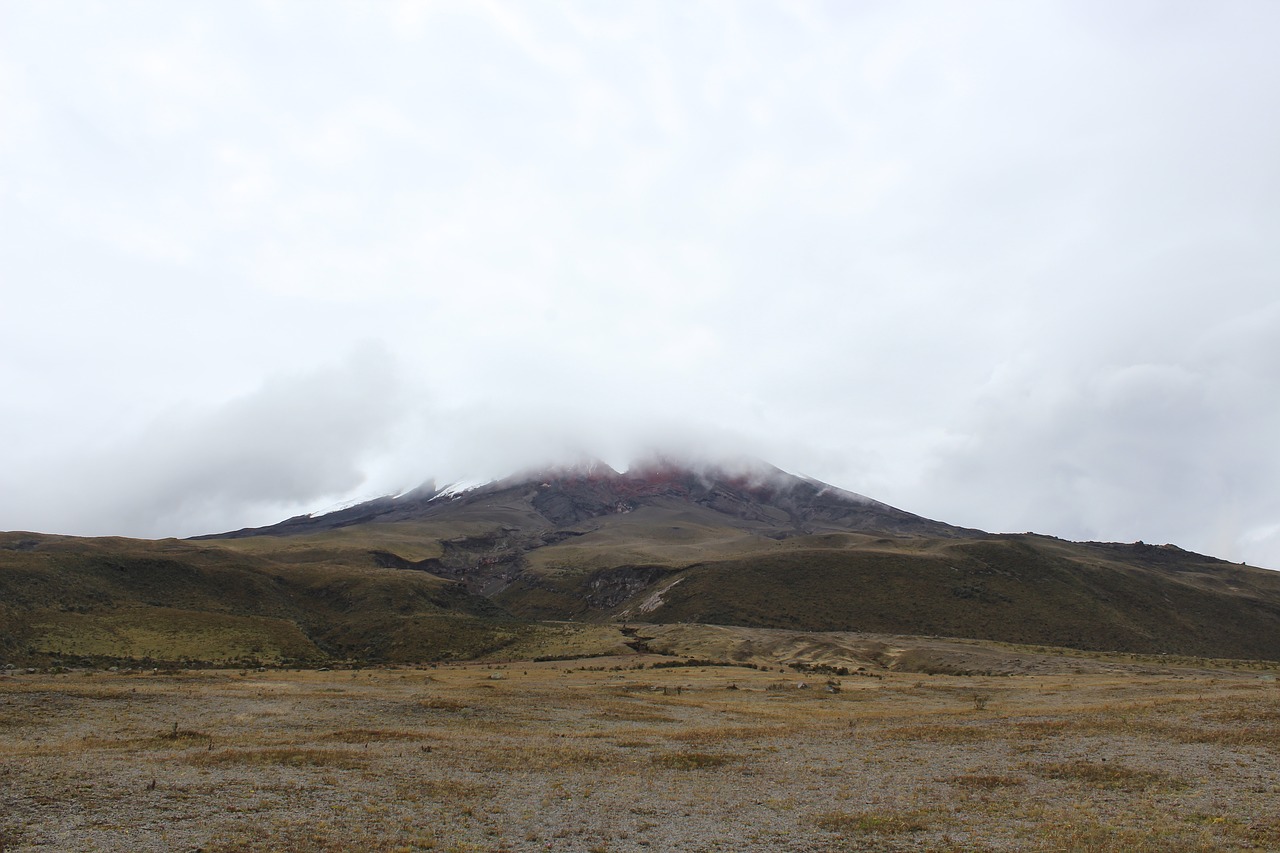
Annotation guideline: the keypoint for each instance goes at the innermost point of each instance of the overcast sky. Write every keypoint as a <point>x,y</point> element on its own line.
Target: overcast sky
<point>1009,265</point>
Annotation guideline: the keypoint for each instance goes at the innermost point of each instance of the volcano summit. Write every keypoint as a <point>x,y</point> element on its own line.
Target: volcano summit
<point>751,496</point>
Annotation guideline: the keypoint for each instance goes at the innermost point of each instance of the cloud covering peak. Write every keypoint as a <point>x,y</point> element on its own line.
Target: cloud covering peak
<point>1010,267</point>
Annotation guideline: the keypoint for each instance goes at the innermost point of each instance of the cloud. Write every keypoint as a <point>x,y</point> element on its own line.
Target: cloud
<point>295,441</point>
<point>1178,451</point>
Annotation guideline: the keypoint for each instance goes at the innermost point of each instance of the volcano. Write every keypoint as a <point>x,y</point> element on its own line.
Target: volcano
<point>750,544</point>
<point>517,533</point>
<point>750,496</point>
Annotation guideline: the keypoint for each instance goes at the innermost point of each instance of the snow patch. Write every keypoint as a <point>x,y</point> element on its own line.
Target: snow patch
<point>340,506</point>
<point>453,490</point>
<point>655,601</point>
<point>835,491</point>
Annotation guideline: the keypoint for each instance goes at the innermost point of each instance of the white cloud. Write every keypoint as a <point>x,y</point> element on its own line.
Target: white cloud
<point>294,442</point>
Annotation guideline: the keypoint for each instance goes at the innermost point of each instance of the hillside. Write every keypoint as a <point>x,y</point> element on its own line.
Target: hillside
<point>441,573</point>
<point>171,601</point>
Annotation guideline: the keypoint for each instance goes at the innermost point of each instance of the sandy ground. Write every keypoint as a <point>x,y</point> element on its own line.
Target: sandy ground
<point>596,755</point>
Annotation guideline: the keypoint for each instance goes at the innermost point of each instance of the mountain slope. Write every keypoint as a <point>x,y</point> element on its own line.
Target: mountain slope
<point>453,572</point>
<point>755,546</point>
<point>750,496</point>
<point>1022,589</point>
<point>170,601</point>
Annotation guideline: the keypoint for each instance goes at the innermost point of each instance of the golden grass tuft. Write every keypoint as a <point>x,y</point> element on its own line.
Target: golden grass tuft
<point>1257,736</point>
<point>878,822</point>
<point>541,757</point>
<point>634,715</point>
<point>372,735</point>
<point>987,781</point>
<point>441,703</point>
<point>1092,836</point>
<point>1042,728</point>
<point>1109,775</point>
<point>342,759</point>
<point>941,733</point>
<point>721,734</point>
<point>1246,715</point>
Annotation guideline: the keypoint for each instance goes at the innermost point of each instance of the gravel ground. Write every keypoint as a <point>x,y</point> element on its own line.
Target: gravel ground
<point>599,756</point>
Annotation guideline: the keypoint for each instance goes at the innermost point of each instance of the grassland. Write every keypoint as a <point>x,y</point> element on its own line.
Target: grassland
<point>1069,753</point>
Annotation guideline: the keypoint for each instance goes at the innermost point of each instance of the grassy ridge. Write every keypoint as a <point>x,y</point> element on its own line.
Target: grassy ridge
<point>163,633</point>
<point>170,600</point>
<point>1011,589</point>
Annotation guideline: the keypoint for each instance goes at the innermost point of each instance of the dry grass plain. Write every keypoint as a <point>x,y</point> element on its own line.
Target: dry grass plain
<point>599,755</point>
